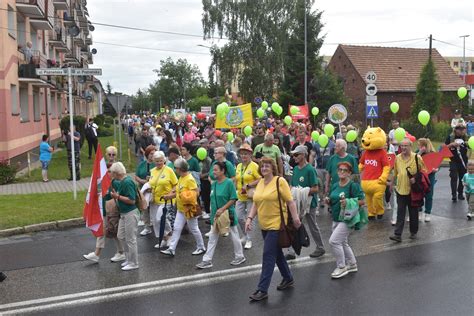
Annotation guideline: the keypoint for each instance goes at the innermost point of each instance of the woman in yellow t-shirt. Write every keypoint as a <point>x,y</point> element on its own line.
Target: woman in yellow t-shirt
<point>185,184</point>
<point>246,177</point>
<point>267,206</point>
<point>162,182</point>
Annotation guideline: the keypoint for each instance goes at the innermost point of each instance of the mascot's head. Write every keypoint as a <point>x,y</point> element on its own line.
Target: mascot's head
<point>374,138</point>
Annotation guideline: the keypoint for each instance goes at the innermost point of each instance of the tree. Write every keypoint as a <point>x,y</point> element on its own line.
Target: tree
<point>108,88</point>
<point>428,95</point>
<point>142,101</point>
<point>196,103</point>
<point>177,83</point>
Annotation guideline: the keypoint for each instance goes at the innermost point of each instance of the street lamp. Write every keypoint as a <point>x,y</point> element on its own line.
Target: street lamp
<point>217,84</point>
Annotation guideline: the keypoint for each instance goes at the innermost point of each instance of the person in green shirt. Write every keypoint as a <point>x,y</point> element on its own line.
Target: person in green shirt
<point>339,156</point>
<point>173,154</point>
<point>223,197</point>
<point>304,176</point>
<point>219,156</point>
<point>342,190</point>
<point>124,191</point>
<point>268,149</point>
<point>193,163</point>
<point>142,175</point>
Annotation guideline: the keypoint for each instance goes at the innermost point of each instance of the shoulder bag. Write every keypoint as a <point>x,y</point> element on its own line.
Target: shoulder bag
<point>286,234</point>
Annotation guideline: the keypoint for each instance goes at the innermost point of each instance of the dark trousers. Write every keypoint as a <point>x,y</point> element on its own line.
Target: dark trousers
<point>429,196</point>
<point>206,194</point>
<point>404,202</point>
<point>456,172</point>
<point>77,161</point>
<point>92,142</point>
<point>272,254</point>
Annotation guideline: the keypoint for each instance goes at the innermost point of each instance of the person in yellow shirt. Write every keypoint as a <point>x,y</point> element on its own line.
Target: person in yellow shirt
<point>162,182</point>
<point>246,178</point>
<point>186,182</point>
<point>405,167</point>
<point>267,206</point>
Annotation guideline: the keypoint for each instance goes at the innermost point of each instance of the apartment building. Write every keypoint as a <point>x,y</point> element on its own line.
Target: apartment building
<point>42,34</point>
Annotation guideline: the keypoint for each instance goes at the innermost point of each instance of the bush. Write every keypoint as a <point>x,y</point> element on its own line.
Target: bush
<point>106,125</point>
<point>435,132</point>
<point>108,119</point>
<point>103,132</point>
<point>441,131</point>
<point>99,119</point>
<point>7,172</point>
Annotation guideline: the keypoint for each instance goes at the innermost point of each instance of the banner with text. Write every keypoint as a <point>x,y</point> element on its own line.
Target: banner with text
<point>238,117</point>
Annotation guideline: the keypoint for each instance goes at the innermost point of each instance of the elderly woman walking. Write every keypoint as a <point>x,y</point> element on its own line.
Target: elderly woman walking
<point>124,191</point>
<point>186,194</point>
<point>162,182</point>
<point>142,176</point>
<point>272,196</point>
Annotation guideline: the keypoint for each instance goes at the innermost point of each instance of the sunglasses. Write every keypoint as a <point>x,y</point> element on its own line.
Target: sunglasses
<point>342,170</point>
<point>111,155</point>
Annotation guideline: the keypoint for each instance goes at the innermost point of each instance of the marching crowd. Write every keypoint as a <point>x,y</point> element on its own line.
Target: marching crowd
<point>240,179</point>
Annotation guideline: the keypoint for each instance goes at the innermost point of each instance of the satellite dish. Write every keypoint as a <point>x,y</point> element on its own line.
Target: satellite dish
<point>91,28</point>
<point>82,79</point>
<point>89,99</point>
<point>74,31</point>
<point>94,51</point>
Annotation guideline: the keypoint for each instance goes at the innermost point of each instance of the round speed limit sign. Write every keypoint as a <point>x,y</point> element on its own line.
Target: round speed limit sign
<point>370,77</point>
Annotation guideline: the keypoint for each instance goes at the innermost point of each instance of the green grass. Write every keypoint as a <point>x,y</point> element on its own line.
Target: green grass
<point>27,209</point>
<point>58,167</point>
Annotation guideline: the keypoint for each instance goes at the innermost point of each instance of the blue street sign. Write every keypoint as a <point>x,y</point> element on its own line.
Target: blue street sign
<point>372,111</point>
<point>257,100</point>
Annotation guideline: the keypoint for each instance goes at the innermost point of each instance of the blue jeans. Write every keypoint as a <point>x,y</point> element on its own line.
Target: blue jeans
<point>44,164</point>
<point>272,254</point>
<point>429,196</point>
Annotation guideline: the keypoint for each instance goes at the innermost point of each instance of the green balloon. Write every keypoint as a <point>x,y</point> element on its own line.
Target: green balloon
<point>329,130</point>
<point>220,108</point>
<point>230,136</point>
<point>315,111</point>
<point>394,107</point>
<point>462,92</point>
<point>471,142</point>
<point>264,105</point>
<point>323,140</point>
<point>260,112</point>
<point>294,110</point>
<point>287,120</point>
<point>201,153</point>
<point>275,106</point>
<point>351,136</point>
<point>279,110</point>
<point>247,130</point>
<point>314,135</point>
<point>400,134</point>
<point>424,117</point>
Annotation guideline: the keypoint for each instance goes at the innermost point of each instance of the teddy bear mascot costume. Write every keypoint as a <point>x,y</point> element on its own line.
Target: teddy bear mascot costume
<point>374,167</point>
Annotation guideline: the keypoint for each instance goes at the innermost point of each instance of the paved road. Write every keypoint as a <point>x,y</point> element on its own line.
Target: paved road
<point>48,265</point>
<point>428,279</point>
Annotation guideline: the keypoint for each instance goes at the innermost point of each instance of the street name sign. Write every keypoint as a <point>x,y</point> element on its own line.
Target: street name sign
<point>64,72</point>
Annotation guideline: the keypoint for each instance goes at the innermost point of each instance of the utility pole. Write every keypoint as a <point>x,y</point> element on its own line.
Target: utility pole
<point>305,59</point>
<point>464,57</point>
<point>431,44</point>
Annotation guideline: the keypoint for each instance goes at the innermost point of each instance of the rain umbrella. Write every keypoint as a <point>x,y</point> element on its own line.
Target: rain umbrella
<point>166,209</point>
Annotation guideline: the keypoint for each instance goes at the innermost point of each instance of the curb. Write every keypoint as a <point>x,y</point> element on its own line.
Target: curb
<point>56,225</point>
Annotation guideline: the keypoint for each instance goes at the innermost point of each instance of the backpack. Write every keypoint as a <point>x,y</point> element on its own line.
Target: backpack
<point>89,132</point>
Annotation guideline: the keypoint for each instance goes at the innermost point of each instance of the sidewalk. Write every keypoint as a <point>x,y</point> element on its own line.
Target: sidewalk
<point>44,187</point>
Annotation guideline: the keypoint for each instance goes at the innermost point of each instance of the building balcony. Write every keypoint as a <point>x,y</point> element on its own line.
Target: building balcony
<point>79,9</point>
<point>69,18</point>
<point>57,39</point>
<point>89,40</point>
<point>31,8</point>
<point>61,4</point>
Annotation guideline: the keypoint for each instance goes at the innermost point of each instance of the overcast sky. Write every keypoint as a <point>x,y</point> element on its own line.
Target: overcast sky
<point>362,21</point>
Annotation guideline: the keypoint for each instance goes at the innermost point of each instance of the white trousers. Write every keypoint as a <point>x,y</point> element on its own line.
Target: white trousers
<point>339,244</point>
<point>127,234</point>
<point>214,238</point>
<point>156,211</point>
<point>179,223</point>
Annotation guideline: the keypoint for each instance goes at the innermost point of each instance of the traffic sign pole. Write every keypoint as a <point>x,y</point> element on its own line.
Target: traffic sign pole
<point>71,134</point>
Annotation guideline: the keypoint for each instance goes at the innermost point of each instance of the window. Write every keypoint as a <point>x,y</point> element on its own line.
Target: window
<point>11,22</point>
<point>24,108</point>
<point>472,66</point>
<point>14,98</point>
<point>36,105</point>
<point>51,106</point>
<point>42,102</point>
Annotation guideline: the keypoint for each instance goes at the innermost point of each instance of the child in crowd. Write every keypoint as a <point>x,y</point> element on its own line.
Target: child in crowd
<point>457,119</point>
<point>468,181</point>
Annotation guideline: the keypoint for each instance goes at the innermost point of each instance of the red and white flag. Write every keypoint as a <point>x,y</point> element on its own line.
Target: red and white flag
<point>98,187</point>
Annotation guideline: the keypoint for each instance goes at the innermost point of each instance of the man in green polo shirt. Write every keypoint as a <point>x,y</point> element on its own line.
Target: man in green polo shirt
<point>268,149</point>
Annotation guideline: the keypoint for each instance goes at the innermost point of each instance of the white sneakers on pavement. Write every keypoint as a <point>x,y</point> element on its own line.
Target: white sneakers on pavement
<point>118,257</point>
<point>339,273</point>
<point>205,215</point>
<point>130,266</point>
<point>92,257</point>
<point>248,244</point>
<point>427,218</point>
<point>146,231</point>
<point>198,252</point>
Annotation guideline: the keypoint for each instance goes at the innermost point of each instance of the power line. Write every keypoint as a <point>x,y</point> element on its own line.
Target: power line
<point>451,44</point>
<point>149,48</point>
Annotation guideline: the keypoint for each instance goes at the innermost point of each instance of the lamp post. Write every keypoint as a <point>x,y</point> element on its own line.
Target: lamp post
<point>217,84</point>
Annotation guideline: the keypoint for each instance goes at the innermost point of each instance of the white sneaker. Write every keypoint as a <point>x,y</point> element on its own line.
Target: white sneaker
<point>238,261</point>
<point>225,234</point>
<point>198,252</point>
<point>141,223</point>
<point>352,268</point>
<point>427,218</point>
<point>248,244</point>
<point>339,273</point>
<point>421,216</point>
<point>393,222</point>
<point>145,231</point>
<point>123,264</point>
<point>130,266</point>
<point>92,257</point>
<point>207,234</point>
<point>205,215</point>
<point>118,257</point>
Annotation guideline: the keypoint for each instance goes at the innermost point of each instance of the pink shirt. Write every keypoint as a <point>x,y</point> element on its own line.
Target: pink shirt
<point>188,137</point>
